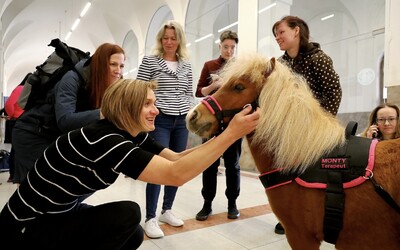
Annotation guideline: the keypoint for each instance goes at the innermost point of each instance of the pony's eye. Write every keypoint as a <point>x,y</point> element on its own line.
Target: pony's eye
<point>238,87</point>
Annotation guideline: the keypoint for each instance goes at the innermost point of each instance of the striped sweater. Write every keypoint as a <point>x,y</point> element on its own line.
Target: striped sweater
<point>175,89</point>
<point>76,164</point>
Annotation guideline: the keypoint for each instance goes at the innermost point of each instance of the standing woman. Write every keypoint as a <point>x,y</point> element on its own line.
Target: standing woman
<point>208,83</point>
<point>307,59</point>
<point>383,123</point>
<point>77,97</point>
<point>169,65</point>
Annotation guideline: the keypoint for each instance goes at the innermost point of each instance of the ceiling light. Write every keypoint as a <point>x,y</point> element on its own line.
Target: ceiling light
<point>78,20</point>
<point>327,17</point>
<point>85,9</point>
<point>204,37</point>
<point>267,8</point>
<point>75,24</point>
<point>68,35</point>
<point>227,27</point>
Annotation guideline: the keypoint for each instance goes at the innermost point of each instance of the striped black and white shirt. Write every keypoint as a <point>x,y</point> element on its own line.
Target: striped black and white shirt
<point>175,88</point>
<point>76,164</point>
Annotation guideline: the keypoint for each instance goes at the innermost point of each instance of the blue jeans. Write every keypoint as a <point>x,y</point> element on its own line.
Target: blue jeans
<point>170,132</point>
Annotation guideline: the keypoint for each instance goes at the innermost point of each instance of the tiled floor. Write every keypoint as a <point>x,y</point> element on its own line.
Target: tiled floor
<point>253,230</point>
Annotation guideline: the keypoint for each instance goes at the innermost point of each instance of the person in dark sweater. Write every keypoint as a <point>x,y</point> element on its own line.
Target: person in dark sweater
<point>308,60</point>
<point>208,83</point>
<point>77,98</point>
<point>45,211</point>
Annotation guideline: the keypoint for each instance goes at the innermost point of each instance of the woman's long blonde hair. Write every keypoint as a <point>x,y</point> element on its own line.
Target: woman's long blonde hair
<point>182,51</point>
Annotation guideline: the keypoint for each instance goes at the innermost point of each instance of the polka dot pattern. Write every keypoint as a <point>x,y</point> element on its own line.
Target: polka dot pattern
<point>317,68</point>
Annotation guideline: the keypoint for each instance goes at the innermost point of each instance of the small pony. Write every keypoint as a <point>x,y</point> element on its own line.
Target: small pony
<point>295,135</point>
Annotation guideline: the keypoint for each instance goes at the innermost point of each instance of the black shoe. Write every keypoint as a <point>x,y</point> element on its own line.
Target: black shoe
<point>279,229</point>
<point>203,214</point>
<point>233,213</point>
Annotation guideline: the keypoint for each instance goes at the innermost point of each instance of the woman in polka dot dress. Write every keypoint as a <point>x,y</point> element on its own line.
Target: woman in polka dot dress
<point>307,59</point>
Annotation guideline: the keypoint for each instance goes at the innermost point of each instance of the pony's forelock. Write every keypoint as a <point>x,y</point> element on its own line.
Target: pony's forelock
<point>250,67</point>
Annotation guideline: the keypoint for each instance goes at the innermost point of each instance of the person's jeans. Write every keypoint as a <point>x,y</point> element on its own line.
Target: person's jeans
<point>170,132</point>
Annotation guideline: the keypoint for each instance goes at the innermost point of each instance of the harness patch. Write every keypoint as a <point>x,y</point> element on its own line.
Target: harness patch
<point>354,160</point>
<point>334,163</point>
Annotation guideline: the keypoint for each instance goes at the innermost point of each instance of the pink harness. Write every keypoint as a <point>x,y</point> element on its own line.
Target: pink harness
<point>353,183</point>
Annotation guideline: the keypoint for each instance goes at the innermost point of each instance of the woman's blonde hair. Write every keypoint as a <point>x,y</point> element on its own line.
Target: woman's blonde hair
<point>123,102</point>
<point>182,51</point>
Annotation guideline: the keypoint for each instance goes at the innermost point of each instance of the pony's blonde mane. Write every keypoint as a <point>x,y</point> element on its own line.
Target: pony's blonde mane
<point>293,127</point>
<point>249,67</point>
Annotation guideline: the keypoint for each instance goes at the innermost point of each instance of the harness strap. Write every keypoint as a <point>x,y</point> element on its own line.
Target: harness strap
<point>215,109</point>
<point>213,106</point>
<point>351,129</point>
<point>276,178</point>
<point>334,206</point>
<point>385,195</point>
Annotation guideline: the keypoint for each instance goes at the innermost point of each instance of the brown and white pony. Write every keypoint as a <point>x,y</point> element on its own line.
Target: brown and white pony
<point>293,133</point>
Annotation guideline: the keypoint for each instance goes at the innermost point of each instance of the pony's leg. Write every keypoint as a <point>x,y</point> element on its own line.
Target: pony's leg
<point>303,220</point>
<point>300,240</point>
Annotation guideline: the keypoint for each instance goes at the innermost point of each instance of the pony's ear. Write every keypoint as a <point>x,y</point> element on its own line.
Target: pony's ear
<point>269,71</point>
<point>272,61</point>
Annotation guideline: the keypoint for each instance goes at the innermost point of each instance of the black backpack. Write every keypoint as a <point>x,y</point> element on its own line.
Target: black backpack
<point>47,74</point>
<point>37,97</point>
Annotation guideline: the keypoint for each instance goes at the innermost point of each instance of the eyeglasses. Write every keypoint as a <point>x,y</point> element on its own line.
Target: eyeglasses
<point>391,120</point>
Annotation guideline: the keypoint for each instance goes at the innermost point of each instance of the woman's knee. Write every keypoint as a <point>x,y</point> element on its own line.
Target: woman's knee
<point>128,211</point>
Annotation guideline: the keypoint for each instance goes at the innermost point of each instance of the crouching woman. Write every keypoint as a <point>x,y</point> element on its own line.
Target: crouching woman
<point>45,211</point>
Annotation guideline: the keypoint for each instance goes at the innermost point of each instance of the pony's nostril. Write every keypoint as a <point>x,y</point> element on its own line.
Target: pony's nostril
<point>194,115</point>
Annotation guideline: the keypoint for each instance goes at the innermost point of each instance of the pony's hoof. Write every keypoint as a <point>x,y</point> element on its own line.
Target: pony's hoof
<point>279,229</point>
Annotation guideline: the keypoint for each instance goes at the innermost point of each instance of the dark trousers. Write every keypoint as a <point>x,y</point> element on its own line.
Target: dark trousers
<point>107,226</point>
<point>28,147</point>
<point>232,173</point>
<point>11,162</point>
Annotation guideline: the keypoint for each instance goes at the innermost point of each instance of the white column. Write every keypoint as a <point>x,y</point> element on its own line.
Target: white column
<point>392,43</point>
<point>247,25</point>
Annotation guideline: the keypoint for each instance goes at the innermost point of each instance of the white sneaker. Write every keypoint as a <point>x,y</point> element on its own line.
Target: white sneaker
<point>152,229</point>
<point>169,218</point>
